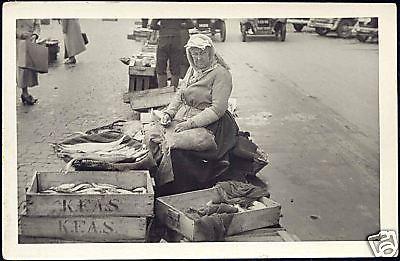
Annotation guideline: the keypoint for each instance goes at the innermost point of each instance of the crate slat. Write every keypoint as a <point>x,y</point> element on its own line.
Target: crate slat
<point>88,229</point>
<point>263,235</point>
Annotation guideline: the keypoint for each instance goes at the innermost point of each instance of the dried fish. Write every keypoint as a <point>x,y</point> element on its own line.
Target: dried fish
<point>140,190</point>
<point>81,186</point>
<point>92,188</point>
<point>90,146</point>
<point>124,191</point>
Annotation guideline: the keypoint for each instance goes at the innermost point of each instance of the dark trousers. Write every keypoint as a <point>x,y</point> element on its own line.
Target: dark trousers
<point>170,49</point>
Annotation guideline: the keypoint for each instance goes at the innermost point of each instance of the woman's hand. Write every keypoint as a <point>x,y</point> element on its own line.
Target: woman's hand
<point>165,120</point>
<point>186,125</point>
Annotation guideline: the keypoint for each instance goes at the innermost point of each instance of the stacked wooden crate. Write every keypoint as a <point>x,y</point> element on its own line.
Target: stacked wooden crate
<point>73,217</point>
<point>144,92</point>
<point>252,225</point>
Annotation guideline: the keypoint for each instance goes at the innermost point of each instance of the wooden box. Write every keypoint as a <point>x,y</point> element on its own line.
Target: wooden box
<point>82,229</point>
<point>70,205</point>
<point>151,98</point>
<point>53,48</point>
<point>142,71</point>
<point>170,210</point>
<point>263,235</point>
<point>142,78</point>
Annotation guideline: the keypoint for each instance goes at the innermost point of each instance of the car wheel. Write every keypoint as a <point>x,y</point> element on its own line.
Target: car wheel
<point>321,31</point>
<point>344,29</point>
<point>362,38</point>
<point>298,27</point>
<point>244,37</point>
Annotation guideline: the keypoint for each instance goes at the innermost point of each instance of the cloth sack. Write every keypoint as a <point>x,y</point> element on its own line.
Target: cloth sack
<point>197,139</point>
<point>33,56</point>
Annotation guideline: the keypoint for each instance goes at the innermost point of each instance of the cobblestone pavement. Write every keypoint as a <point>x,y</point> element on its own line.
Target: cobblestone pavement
<point>74,98</point>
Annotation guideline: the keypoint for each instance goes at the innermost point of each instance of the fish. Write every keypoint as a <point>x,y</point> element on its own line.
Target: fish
<point>256,205</point>
<point>63,187</point>
<point>124,191</point>
<point>140,153</point>
<point>141,190</point>
<point>107,185</point>
<point>90,146</point>
<point>81,186</point>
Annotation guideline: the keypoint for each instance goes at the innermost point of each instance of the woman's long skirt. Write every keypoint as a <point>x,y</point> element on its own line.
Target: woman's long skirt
<point>197,170</point>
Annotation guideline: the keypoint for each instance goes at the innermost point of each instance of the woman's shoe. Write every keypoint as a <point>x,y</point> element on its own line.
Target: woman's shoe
<point>28,100</point>
<point>70,60</point>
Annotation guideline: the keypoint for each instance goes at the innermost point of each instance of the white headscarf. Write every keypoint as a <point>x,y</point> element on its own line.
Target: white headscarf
<point>202,41</point>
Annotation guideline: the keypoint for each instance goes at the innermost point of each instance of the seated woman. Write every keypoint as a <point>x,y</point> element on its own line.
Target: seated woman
<point>201,101</point>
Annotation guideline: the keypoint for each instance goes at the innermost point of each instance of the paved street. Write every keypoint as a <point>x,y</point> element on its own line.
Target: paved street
<point>310,102</point>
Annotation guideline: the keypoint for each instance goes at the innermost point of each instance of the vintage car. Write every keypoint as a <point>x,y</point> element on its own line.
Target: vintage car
<point>210,26</point>
<point>298,23</point>
<point>342,26</point>
<point>366,29</point>
<point>262,27</point>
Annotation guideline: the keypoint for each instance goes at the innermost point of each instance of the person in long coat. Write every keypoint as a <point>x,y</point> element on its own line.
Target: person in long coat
<point>27,29</point>
<point>73,40</point>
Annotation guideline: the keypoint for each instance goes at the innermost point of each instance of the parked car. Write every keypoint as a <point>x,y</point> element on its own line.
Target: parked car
<point>262,27</point>
<point>366,28</point>
<point>298,23</point>
<point>210,26</point>
<point>342,26</point>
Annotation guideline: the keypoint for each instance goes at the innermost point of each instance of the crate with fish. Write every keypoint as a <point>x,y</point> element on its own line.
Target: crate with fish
<point>211,214</point>
<point>91,193</point>
<point>142,75</point>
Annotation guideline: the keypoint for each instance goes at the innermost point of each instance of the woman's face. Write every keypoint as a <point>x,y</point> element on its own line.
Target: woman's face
<point>201,58</point>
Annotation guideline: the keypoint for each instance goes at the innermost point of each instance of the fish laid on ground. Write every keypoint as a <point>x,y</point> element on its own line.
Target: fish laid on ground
<point>91,146</point>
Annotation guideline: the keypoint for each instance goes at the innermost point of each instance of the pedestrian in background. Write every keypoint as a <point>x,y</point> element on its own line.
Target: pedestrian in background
<point>27,29</point>
<point>73,40</point>
<point>170,48</point>
<point>145,22</point>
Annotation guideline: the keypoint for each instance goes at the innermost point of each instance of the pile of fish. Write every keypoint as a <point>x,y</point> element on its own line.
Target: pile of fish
<point>92,188</point>
<point>108,152</point>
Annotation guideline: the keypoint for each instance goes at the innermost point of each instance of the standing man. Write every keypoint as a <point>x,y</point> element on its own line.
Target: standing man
<point>170,47</point>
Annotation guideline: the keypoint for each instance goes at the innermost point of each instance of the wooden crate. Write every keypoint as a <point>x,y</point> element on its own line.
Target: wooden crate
<point>69,205</point>
<point>263,235</point>
<point>83,229</point>
<point>142,78</point>
<point>151,98</point>
<point>170,210</point>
